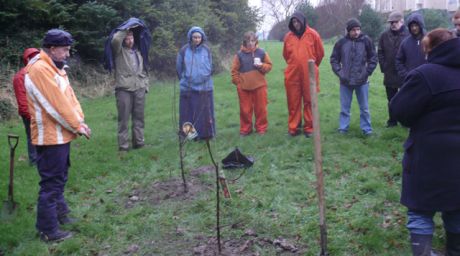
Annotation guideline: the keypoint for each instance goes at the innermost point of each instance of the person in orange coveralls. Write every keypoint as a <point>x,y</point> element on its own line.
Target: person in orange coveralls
<point>249,67</point>
<point>300,44</point>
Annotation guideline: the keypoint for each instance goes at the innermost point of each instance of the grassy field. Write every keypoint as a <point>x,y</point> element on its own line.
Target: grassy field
<point>123,210</point>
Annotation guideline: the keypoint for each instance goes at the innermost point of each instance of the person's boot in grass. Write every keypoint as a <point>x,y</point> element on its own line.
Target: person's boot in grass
<point>66,220</point>
<point>57,236</point>
<point>452,244</point>
<point>421,244</point>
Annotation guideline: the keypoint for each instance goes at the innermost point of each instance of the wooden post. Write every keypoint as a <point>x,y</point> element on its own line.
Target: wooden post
<point>318,158</point>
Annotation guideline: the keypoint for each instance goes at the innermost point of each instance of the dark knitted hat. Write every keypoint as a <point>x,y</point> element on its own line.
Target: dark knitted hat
<point>57,37</point>
<point>352,23</point>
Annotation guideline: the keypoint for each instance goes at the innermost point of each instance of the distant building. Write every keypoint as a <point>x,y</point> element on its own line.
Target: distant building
<point>405,5</point>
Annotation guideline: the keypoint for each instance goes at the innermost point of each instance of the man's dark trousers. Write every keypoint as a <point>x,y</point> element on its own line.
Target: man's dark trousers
<point>53,165</point>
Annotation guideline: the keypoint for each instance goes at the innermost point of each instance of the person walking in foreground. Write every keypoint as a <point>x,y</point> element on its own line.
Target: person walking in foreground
<point>410,54</point>
<point>249,67</point>
<point>388,48</point>
<point>428,103</point>
<point>194,69</point>
<point>21,97</point>
<point>301,44</point>
<point>353,60</point>
<point>56,120</point>
<point>129,44</point>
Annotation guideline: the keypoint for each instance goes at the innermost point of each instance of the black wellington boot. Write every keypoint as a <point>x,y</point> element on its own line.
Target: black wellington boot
<point>452,244</point>
<point>421,244</point>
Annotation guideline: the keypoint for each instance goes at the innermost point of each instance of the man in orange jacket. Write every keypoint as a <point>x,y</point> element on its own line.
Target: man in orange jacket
<point>300,44</point>
<point>56,120</point>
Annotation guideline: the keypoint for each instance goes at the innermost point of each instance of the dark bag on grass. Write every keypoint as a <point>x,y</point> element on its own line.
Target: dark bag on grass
<point>236,160</point>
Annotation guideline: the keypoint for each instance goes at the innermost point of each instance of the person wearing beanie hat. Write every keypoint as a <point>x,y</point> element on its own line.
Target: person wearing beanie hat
<point>301,43</point>
<point>388,47</point>
<point>56,120</point>
<point>353,60</point>
<point>21,97</point>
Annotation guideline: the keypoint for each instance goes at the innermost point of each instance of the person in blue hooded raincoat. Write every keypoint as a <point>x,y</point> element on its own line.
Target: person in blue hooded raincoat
<point>194,69</point>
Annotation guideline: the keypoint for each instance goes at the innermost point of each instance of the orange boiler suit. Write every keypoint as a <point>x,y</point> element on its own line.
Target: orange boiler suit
<point>296,52</point>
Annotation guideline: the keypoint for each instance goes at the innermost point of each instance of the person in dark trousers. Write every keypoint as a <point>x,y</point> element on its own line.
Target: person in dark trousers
<point>388,47</point>
<point>56,120</point>
<point>353,60</point>
<point>21,98</point>
<point>410,54</point>
<point>128,46</point>
<point>428,103</point>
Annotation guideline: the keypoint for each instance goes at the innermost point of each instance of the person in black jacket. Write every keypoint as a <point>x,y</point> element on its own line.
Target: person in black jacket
<point>388,48</point>
<point>429,104</point>
<point>353,60</point>
<point>410,54</point>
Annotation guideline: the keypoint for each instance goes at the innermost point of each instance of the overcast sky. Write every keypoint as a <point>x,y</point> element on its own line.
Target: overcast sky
<point>269,21</point>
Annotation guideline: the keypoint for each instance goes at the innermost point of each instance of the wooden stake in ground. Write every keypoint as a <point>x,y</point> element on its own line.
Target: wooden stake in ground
<point>219,247</point>
<point>318,158</point>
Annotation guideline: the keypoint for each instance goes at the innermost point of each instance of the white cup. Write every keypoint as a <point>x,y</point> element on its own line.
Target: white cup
<point>257,61</point>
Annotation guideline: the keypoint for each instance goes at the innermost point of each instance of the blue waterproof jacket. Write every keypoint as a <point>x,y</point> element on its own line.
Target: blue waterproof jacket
<point>194,64</point>
<point>142,38</point>
<point>410,54</point>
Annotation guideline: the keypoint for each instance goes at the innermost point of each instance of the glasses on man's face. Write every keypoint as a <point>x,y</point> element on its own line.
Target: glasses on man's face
<point>394,22</point>
<point>457,25</point>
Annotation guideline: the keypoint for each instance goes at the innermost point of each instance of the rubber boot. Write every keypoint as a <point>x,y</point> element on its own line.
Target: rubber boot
<point>421,244</point>
<point>452,244</point>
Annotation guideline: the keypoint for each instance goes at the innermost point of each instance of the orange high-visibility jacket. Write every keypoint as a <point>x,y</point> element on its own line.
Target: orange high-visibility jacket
<point>56,114</point>
<point>297,52</point>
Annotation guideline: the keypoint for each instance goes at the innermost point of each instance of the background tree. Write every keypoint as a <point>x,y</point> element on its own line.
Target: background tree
<point>371,22</point>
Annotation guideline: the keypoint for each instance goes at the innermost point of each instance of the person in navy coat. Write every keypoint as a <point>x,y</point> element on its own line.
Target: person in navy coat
<point>429,104</point>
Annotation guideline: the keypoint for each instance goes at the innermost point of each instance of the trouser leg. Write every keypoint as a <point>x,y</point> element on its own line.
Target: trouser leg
<point>138,118</point>
<point>124,107</point>
<point>52,165</point>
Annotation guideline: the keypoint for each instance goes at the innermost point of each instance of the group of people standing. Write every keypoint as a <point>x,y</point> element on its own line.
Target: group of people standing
<point>424,98</point>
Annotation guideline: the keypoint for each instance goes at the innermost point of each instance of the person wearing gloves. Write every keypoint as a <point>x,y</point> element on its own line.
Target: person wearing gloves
<point>21,98</point>
<point>388,48</point>
<point>353,60</point>
<point>56,120</point>
<point>194,69</point>
<point>428,103</point>
<point>410,54</point>
<point>301,44</point>
<point>129,45</point>
<point>249,67</point>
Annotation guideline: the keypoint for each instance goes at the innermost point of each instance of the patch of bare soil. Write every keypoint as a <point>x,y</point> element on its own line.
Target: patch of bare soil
<point>173,189</point>
<point>247,246</point>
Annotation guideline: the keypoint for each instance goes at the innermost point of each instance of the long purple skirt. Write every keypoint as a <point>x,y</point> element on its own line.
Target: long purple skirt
<point>197,107</point>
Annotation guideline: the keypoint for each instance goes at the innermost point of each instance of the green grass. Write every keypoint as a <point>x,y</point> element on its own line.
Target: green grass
<point>277,195</point>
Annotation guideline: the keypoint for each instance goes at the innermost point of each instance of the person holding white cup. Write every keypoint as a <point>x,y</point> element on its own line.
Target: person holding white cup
<point>249,67</point>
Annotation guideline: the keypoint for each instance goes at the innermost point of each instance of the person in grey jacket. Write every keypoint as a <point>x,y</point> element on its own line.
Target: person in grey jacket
<point>410,54</point>
<point>131,85</point>
<point>353,60</point>
<point>388,48</point>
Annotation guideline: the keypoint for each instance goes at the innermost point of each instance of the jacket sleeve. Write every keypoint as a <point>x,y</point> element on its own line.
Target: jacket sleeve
<point>266,64</point>
<point>411,102</point>
<point>117,41</point>
<point>400,61</point>
<point>236,70</point>
<point>319,50</point>
<point>285,51</point>
<point>381,53</point>
<point>336,58</point>
<point>62,109</point>
<point>21,96</point>
<point>371,57</point>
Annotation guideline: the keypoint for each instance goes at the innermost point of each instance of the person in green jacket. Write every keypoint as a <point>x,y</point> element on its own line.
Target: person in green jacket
<point>131,85</point>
